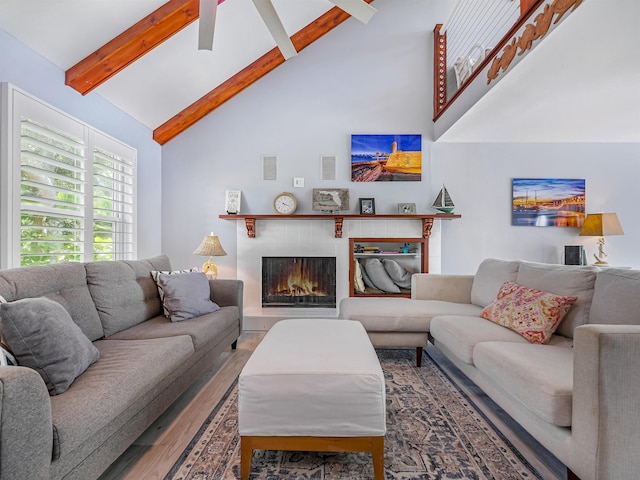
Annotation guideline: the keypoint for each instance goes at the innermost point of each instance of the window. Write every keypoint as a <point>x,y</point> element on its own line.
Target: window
<point>76,188</point>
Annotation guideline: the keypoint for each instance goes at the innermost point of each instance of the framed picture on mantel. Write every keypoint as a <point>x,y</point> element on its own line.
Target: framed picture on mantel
<point>232,201</point>
<point>367,206</point>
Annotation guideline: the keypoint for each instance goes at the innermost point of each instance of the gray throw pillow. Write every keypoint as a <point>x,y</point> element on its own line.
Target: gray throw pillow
<point>365,278</point>
<point>155,274</point>
<point>42,336</point>
<point>186,295</point>
<point>400,275</point>
<point>379,276</point>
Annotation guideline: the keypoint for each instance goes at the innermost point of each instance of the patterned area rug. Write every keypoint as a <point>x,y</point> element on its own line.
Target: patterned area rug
<point>433,432</point>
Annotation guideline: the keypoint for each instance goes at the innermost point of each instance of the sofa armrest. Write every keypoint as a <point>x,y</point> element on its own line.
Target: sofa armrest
<point>606,392</point>
<point>228,293</point>
<point>447,288</point>
<point>26,429</point>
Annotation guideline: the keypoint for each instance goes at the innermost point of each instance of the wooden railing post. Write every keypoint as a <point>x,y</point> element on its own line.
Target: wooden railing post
<point>439,70</point>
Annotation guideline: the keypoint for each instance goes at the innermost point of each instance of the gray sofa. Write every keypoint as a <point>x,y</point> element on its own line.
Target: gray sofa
<point>578,395</point>
<point>145,363</point>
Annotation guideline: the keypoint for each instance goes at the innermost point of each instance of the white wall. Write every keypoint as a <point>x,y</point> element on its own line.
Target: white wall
<point>374,78</point>
<point>378,79</point>
<point>479,175</point>
<point>32,73</point>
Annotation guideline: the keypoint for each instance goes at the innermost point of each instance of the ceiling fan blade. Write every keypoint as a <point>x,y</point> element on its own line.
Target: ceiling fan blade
<point>274,24</point>
<point>206,24</point>
<point>356,8</point>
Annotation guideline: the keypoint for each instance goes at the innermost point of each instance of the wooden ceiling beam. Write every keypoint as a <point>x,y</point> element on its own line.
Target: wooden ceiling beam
<point>131,44</point>
<point>247,76</point>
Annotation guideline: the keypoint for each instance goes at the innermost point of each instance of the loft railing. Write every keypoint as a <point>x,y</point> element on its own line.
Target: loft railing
<point>485,38</point>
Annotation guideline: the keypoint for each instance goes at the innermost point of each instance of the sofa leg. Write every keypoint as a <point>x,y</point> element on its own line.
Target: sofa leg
<point>234,345</point>
<point>418,356</point>
<point>571,475</point>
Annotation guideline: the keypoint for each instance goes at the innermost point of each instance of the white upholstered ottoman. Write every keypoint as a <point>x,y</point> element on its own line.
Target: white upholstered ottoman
<point>313,385</point>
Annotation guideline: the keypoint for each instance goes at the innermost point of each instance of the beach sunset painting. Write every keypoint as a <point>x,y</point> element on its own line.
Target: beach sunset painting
<point>386,158</point>
<point>548,202</point>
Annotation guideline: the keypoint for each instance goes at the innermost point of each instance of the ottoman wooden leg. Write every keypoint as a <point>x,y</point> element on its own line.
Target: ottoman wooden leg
<point>246,454</point>
<point>378,458</point>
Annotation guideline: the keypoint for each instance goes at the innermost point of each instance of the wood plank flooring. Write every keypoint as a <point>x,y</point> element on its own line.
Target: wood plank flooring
<point>153,454</point>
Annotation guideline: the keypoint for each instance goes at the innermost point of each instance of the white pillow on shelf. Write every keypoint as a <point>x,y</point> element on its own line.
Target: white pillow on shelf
<point>379,276</point>
<point>400,275</point>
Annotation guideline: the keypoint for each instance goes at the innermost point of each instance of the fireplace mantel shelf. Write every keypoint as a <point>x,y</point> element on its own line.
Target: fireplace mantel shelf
<point>427,219</point>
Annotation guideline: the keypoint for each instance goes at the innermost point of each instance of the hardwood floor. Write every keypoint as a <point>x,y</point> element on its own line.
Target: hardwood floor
<point>153,454</point>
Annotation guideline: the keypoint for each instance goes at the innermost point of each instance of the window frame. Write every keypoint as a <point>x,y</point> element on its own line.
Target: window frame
<point>16,104</point>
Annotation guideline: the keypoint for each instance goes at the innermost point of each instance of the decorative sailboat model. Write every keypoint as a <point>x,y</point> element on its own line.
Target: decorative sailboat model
<point>443,201</point>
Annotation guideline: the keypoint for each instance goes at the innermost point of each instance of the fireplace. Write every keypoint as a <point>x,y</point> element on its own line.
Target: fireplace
<point>299,282</point>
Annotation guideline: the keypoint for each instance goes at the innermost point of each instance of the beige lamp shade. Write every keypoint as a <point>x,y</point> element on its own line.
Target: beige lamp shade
<point>601,225</point>
<point>210,247</point>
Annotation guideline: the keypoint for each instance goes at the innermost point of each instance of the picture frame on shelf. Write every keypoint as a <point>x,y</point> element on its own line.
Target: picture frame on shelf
<point>367,206</point>
<point>406,208</point>
<point>232,201</point>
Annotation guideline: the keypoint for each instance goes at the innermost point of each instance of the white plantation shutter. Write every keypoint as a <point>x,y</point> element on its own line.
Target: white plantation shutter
<point>113,200</point>
<point>52,194</point>
<point>68,189</point>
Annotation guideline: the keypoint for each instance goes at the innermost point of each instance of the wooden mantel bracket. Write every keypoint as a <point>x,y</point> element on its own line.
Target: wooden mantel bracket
<point>339,221</point>
<point>427,219</point>
<point>427,224</point>
<point>250,223</point>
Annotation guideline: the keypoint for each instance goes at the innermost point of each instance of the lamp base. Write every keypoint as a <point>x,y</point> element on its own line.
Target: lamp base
<point>210,269</point>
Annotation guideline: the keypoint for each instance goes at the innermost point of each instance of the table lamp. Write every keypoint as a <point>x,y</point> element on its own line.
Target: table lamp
<point>210,247</point>
<point>601,225</point>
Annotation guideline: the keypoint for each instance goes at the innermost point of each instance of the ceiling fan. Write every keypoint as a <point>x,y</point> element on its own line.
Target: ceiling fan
<point>208,8</point>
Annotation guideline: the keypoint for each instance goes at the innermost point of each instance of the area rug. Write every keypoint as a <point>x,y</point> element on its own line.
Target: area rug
<point>434,431</point>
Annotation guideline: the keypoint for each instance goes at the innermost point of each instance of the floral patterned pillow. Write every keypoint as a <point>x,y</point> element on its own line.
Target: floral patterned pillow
<point>532,313</point>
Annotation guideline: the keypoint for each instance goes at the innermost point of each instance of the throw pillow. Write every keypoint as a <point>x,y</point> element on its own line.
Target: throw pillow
<point>186,295</point>
<point>42,336</point>
<point>365,278</point>
<point>155,274</point>
<point>358,282</point>
<point>397,272</point>
<point>532,313</point>
<point>379,276</point>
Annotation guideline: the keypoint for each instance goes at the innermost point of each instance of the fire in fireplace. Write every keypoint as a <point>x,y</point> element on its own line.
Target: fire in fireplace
<point>299,282</point>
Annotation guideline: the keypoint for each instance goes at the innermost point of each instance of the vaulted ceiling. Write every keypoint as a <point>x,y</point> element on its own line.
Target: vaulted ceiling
<point>142,55</point>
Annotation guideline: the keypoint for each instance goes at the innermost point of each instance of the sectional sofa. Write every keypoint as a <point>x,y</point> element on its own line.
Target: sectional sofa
<point>129,361</point>
<point>577,394</point>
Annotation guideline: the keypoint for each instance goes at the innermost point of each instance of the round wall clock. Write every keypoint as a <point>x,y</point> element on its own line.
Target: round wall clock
<point>285,203</point>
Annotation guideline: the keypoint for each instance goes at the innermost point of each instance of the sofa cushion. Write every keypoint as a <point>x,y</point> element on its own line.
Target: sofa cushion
<point>129,375</point>
<point>400,314</point>
<point>379,276</point>
<point>205,331</point>
<point>532,313</point>
<point>538,376</point>
<point>615,297</point>
<point>491,274</point>
<point>65,283</point>
<point>460,334</point>
<point>42,336</point>
<point>124,292</point>
<point>400,275</point>
<point>562,280</point>
<point>186,295</point>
